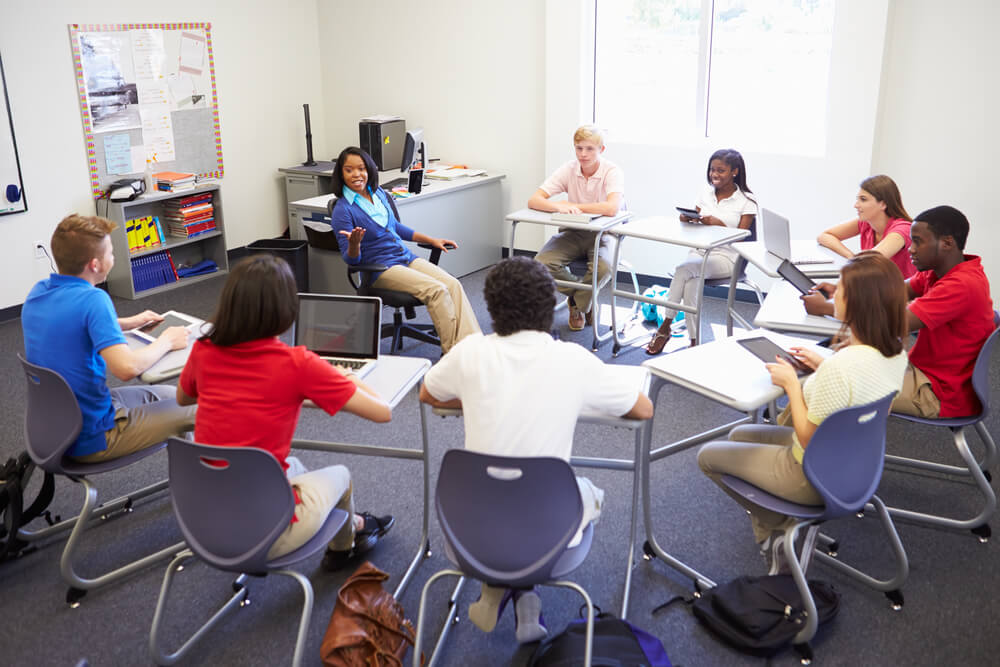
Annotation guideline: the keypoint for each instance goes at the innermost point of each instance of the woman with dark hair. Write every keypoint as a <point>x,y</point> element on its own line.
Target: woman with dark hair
<point>249,387</point>
<point>725,202</point>
<point>373,235</point>
<point>870,300</point>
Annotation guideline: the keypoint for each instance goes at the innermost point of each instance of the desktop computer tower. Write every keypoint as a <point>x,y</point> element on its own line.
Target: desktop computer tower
<point>384,142</point>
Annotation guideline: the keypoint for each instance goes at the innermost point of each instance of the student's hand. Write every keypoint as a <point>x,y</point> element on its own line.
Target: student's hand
<point>816,303</point>
<point>145,318</point>
<point>444,244</point>
<point>782,373</point>
<point>566,207</point>
<point>711,220</point>
<point>176,337</point>
<point>826,288</point>
<point>809,357</point>
<point>688,218</point>
<point>354,240</point>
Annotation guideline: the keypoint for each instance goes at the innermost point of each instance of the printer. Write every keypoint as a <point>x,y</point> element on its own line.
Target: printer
<point>383,138</point>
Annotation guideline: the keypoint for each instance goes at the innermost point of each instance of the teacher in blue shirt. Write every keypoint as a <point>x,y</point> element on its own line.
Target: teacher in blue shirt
<point>364,217</point>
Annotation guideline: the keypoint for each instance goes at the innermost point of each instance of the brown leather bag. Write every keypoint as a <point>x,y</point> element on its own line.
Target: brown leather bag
<point>367,628</point>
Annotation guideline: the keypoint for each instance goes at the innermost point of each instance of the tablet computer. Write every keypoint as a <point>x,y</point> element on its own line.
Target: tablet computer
<point>689,212</point>
<point>171,318</point>
<point>794,275</point>
<point>766,350</point>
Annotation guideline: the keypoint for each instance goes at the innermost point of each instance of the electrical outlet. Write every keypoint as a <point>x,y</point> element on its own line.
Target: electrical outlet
<point>39,249</point>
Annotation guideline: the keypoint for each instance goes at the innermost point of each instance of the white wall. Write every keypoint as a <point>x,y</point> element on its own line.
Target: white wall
<point>267,66</point>
<point>937,134</point>
<point>469,73</point>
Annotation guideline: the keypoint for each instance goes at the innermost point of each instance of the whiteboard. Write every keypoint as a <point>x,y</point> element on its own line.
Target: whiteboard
<point>11,187</point>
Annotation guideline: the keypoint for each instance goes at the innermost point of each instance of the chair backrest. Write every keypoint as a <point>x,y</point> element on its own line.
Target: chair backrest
<point>846,454</point>
<point>507,519</point>
<point>52,420</point>
<point>232,503</point>
<point>981,371</point>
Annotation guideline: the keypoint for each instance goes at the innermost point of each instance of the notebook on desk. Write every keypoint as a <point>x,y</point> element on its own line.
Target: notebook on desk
<point>575,217</point>
<point>343,330</point>
<point>777,240</point>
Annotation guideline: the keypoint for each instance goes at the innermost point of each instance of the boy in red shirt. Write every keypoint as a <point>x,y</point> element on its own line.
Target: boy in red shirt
<point>952,312</point>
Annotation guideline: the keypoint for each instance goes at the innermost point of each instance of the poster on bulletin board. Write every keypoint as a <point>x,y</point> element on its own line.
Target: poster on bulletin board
<point>148,100</point>
<point>11,186</point>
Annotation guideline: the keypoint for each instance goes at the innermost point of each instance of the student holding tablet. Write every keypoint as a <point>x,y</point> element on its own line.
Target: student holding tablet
<point>723,202</point>
<point>249,387</point>
<point>870,299</point>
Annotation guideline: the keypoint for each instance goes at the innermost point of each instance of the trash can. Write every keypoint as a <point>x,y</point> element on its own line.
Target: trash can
<point>296,253</point>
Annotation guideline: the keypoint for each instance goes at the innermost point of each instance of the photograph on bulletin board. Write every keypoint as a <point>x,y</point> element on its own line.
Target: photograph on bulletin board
<point>11,186</point>
<point>148,99</point>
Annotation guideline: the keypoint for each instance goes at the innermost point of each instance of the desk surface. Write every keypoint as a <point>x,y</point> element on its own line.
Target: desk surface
<point>725,371</point>
<point>394,376</point>
<point>670,230</point>
<point>783,310</point>
<point>757,254</point>
<point>601,224</point>
<point>169,365</point>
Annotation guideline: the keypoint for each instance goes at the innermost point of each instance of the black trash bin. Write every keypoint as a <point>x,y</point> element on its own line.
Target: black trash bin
<point>296,253</point>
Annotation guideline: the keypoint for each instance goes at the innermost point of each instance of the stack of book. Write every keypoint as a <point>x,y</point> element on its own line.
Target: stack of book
<point>174,181</point>
<point>143,233</point>
<point>153,270</point>
<point>189,216</point>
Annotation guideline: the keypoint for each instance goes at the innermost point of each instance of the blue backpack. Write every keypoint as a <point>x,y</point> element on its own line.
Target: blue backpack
<point>616,643</point>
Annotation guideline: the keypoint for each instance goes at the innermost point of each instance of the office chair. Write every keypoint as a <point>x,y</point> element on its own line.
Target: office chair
<point>978,470</point>
<point>843,462</point>
<point>507,522</point>
<point>232,503</point>
<point>52,423</point>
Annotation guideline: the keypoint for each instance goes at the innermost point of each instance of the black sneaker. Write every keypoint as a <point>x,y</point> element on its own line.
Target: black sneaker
<point>365,540</point>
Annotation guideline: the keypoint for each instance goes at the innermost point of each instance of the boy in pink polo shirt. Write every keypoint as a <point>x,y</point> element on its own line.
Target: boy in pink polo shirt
<point>592,185</point>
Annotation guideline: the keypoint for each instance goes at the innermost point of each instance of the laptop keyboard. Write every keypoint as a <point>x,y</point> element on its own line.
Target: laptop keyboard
<point>353,364</point>
<point>396,182</point>
<point>818,260</point>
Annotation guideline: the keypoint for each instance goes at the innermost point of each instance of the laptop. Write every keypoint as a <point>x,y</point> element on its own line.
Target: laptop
<point>777,240</point>
<point>343,330</point>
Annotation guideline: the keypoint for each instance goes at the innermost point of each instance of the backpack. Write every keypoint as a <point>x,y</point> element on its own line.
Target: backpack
<point>760,615</point>
<point>617,643</point>
<point>651,312</point>
<point>14,478</point>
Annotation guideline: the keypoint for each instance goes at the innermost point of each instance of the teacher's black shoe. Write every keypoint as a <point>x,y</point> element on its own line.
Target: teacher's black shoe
<point>364,541</point>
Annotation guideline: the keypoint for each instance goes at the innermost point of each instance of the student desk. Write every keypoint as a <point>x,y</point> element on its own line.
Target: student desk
<point>392,379</point>
<point>169,365</point>
<point>783,310</point>
<point>725,372</point>
<point>464,210</point>
<point>663,229</point>
<point>600,226</point>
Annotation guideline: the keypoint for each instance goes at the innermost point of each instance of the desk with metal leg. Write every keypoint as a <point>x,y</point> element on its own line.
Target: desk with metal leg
<point>663,229</point>
<point>600,226</point>
<point>392,379</point>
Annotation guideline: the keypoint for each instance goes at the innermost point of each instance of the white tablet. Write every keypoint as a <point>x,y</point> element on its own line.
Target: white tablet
<point>171,318</point>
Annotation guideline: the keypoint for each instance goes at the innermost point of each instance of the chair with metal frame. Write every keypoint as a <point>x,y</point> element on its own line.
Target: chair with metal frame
<point>232,504</point>
<point>843,462</point>
<point>52,424</point>
<point>488,508</point>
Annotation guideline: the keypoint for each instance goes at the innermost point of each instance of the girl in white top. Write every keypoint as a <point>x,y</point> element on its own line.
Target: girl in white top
<point>870,300</point>
<point>724,202</point>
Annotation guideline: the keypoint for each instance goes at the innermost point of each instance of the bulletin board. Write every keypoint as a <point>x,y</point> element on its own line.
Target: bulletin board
<point>11,186</point>
<point>148,99</point>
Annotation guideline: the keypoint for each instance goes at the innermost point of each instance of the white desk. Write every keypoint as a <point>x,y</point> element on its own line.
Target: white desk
<point>465,210</point>
<point>664,229</point>
<point>392,379</point>
<point>599,226</point>
<point>169,365</point>
<point>783,310</point>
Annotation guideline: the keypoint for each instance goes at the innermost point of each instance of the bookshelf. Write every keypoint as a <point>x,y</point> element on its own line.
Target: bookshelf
<point>186,251</point>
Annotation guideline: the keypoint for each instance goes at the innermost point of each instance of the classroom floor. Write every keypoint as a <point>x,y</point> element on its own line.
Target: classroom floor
<point>948,617</point>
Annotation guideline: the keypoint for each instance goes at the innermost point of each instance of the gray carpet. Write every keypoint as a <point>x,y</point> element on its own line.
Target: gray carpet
<point>946,619</point>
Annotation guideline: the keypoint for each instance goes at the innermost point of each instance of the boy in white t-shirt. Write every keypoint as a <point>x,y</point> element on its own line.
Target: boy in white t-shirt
<point>592,185</point>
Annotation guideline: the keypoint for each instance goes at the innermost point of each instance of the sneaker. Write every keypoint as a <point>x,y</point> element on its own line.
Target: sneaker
<point>529,626</point>
<point>365,540</point>
<point>487,610</point>
<point>576,319</point>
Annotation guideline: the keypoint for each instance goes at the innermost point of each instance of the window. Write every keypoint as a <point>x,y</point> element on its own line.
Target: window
<point>750,73</point>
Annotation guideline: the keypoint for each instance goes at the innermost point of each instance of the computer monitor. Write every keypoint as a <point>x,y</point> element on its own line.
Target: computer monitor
<point>414,142</point>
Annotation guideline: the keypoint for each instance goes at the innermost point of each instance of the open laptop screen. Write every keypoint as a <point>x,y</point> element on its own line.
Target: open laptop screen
<point>339,326</point>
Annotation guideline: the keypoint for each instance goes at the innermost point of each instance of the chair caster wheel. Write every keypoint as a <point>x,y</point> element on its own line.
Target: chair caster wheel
<point>896,598</point>
<point>647,551</point>
<point>805,653</point>
<point>832,549</point>
<point>987,475</point>
<point>245,602</point>
<point>983,532</point>
<point>73,597</point>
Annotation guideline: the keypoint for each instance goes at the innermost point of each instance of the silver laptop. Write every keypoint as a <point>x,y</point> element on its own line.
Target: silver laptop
<point>777,240</point>
<point>343,330</point>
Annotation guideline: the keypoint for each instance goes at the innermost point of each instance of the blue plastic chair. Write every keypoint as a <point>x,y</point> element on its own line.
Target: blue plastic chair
<point>232,503</point>
<point>507,522</point>
<point>52,423</point>
<point>978,470</point>
<point>843,462</point>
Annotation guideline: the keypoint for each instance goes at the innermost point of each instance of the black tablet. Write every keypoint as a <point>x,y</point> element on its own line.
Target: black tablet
<point>689,212</point>
<point>766,350</point>
<point>794,275</point>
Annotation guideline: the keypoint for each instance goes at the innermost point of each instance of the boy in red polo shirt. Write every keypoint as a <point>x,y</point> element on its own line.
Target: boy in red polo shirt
<point>952,312</point>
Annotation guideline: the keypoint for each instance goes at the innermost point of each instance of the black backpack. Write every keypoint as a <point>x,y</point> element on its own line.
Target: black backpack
<point>759,615</point>
<point>14,478</point>
<point>617,643</point>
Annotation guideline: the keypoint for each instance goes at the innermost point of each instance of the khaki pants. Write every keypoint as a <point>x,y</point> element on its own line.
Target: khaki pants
<point>917,395</point>
<point>568,246</point>
<point>320,492</point>
<point>441,292</point>
<point>144,416</point>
